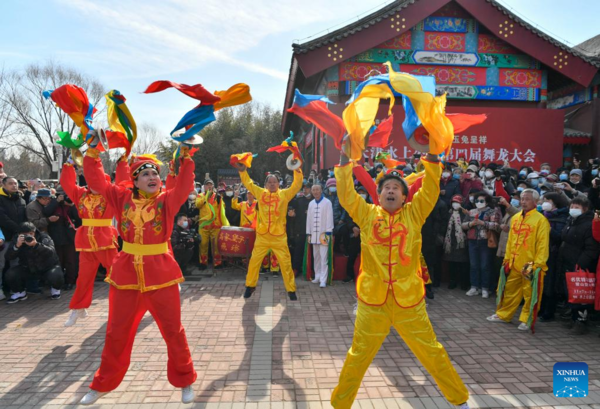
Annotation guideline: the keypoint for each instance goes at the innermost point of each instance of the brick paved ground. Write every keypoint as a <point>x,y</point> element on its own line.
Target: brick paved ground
<point>269,352</point>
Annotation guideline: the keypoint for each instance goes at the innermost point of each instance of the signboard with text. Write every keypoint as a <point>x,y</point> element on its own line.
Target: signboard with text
<point>521,136</point>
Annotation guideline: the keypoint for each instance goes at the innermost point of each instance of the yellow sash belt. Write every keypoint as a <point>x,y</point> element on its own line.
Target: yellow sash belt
<point>145,249</point>
<point>96,222</point>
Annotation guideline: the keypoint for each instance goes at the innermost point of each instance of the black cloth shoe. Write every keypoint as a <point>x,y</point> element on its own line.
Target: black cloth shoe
<point>55,297</point>
<point>292,295</point>
<point>580,328</point>
<point>347,280</point>
<point>548,318</point>
<point>202,267</point>
<point>249,291</point>
<point>429,292</point>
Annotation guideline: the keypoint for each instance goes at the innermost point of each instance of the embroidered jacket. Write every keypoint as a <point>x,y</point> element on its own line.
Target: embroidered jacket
<point>145,224</point>
<point>96,232</point>
<point>248,212</point>
<point>390,243</point>
<point>272,207</point>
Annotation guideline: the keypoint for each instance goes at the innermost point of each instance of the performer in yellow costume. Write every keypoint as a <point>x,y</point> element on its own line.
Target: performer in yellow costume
<point>270,230</point>
<point>390,289</point>
<point>247,210</point>
<point>524,267</point>
<point>212,218</point>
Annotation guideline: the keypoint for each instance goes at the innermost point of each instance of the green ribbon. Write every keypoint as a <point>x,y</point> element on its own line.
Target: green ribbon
<point>67,141</point>
<point>501,286</point>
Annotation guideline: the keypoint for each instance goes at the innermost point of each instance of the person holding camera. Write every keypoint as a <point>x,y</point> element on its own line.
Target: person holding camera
<point>62,230</point>
<point>37,261</point>
<point>182,241</point>
<point>575,187</point>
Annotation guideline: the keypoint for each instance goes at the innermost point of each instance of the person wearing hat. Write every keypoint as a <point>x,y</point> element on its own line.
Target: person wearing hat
<point>95,240</point>
<point>271,228</point>
<point>574,187</point>
<point>144,275</point>
<point>456,248</point>
<point>35,210</point>
<point>390,289</point>
<point>470,182</point>
<point>212,218</point>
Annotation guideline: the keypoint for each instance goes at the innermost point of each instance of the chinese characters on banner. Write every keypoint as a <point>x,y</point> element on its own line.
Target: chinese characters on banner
<point>520,136</point>
<point>582,289</point>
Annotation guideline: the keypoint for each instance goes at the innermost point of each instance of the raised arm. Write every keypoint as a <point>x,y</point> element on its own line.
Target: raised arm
<point>425,199</point>
<point>122,172</point>
<point>249,184</point>
<point>184,183</point>
<point>290,192</point>
<point>94,175</point>
<point>354,204</point>
<point>68,181</point>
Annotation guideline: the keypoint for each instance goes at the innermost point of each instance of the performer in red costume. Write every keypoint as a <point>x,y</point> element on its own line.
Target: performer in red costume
<point>144,276</point>
<point>95,240</point>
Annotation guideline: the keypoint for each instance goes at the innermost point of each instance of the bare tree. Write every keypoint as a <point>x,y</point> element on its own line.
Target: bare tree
<point>31,120</point>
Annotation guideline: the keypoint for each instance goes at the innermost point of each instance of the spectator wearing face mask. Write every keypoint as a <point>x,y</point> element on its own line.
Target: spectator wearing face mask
<point>524,172</point>
<point>232,215</point>
<point>190,210</point>
<point>591,171</point>
<point>183,241</point>
<point>533,179</point>
<point>545,169</point>
<point>483,221</point>
<point>579,249</point>
<point>456,246</point>
<point>574,187</point>
<point>511,208</point>
<point>449,186</point>
<point>331,194</point>
<point>470,182</point>
<point>556,209</point>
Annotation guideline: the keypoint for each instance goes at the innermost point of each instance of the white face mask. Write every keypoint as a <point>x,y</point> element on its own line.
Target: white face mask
<point>480,205</point>
<point>546,206</point>
<point>363,196</point>
<point>192,197</point>
<point>481,173</point>
<point>228,194</point>
<point>333,189</point>
<point>446,175</point>
<point>489,174</point>
<point>471,199</point>
<point>456,206</point>
<point>575,213</point>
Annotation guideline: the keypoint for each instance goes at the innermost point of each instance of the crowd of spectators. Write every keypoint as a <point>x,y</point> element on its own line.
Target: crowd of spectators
<point>464,238</point>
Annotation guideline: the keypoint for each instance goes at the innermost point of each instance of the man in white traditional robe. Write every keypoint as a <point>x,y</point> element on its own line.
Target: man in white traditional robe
<point>319,226</point>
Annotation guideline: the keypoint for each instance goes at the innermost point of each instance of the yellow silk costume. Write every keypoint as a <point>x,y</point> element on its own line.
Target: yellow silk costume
<point>390,288</point>
<point>270,229</point>
<point>210,233</point>
<point>247,212</point>
<point>528,241</point>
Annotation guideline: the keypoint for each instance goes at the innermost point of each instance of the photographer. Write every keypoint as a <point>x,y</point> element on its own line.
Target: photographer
<point>182,241</point>
<point>37,260</point>
<point>62,228</point>
<point>35,210</point>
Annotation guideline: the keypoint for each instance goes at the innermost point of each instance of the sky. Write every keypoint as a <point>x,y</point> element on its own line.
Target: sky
<point>127,44</point>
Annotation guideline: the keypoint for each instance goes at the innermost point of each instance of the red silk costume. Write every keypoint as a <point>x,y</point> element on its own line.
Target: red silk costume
<point>96,239</point>
<point>144,276</point>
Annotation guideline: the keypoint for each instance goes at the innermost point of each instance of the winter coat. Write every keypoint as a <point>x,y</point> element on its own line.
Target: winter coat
<point>35,214</point>
<point>12,213</point>
<point>558,220</point>
<point>467,185</point>
<point>578,246</point>
<point>456,254</point>
<point>491,217</point>
<point>62,231</point>
<point>596,234</point>
<point>450,187</point>
<point>38,259</point>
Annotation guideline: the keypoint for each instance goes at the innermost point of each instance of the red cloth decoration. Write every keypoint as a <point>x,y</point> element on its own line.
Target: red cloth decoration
<point>381,136</point>
<point>195,91</point>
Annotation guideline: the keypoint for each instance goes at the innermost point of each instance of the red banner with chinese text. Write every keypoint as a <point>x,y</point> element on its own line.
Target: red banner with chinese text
<point>522,136</point>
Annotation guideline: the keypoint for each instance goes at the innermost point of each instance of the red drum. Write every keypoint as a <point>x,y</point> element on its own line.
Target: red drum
<point>236,241</point>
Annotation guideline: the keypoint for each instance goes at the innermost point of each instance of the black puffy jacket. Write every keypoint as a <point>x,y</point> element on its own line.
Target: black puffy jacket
<point>12,213</point>
<point>579,248</point>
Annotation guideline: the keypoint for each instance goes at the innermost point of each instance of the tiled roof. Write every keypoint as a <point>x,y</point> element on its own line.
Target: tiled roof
<point>393,8</point>
<point>574,133</point>
<point>353,28</point>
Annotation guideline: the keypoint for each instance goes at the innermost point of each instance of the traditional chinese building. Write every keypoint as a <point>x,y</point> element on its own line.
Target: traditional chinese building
<point>539,94</point>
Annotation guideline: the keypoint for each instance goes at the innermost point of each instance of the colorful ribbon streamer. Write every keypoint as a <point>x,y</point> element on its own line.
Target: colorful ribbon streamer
<point>243,158</point>
<point>75,103</point>
<point>120,120</point>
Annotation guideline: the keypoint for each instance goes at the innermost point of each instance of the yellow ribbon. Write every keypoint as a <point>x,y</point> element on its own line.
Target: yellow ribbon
<point>145,249</point>
<point>96,222</point>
